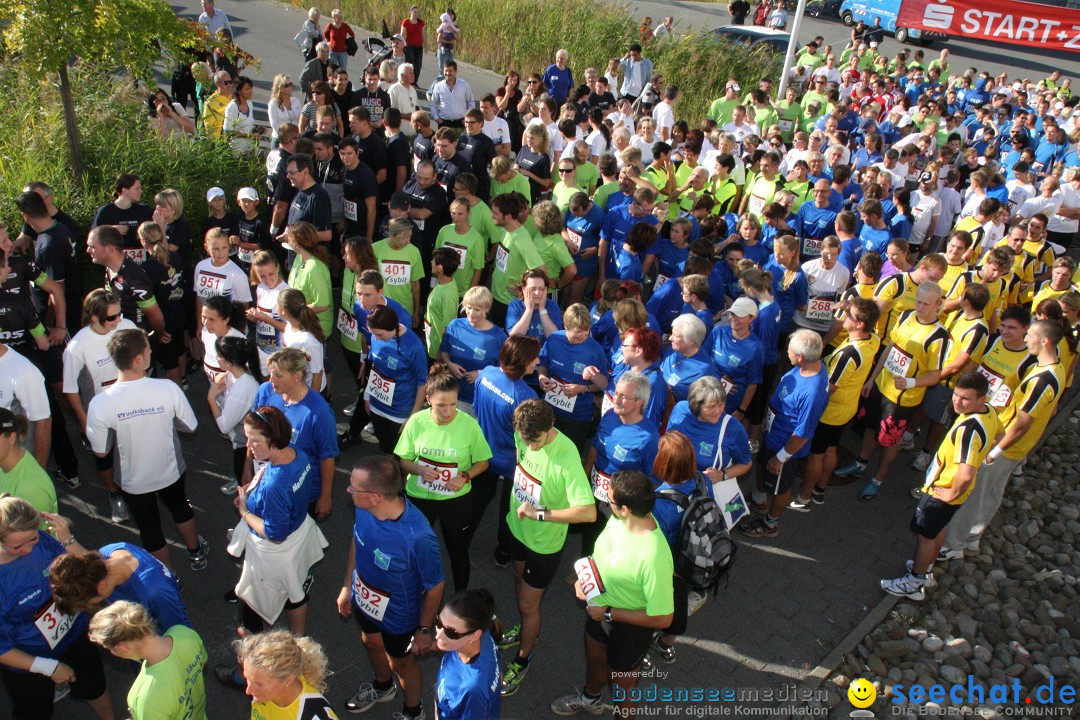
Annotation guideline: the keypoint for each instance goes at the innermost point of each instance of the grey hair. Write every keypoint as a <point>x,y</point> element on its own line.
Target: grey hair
<point>639,385</point>
<point>323,45</point>
<point>312,14</point>
<point>621,131</point>
<point>730,137</point>
<point>807,343</point>
<point>402,68</point>
<point>690,327</point>
<point>703,391</point>
<point>221,75</point>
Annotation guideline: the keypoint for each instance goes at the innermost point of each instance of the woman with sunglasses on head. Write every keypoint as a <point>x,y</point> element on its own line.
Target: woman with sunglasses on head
<point>282,107</point>
<point>466,630</point>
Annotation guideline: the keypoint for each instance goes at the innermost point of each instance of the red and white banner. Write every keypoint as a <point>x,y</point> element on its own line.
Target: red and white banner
<point>1007,21</point>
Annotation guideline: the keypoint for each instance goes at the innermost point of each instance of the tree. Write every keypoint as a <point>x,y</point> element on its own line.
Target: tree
<point>46,36</point>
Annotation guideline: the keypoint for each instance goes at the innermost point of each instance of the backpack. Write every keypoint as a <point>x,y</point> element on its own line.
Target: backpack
<point>705,550</point>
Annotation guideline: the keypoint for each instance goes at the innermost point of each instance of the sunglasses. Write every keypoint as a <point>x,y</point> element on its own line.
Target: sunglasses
<point>111,318</point>
<point>449,632</point>
<point>226,82</point>
<point>566,170</point>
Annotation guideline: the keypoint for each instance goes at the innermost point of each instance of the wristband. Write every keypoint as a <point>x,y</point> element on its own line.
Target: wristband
<point>69,543</point>
<point>909,383</point>
<point>274,231</point>
<point>541,514</point>
<point>783,455</point>
<point>543,311</point>
<point>44,666</point>
<point>995,453</point>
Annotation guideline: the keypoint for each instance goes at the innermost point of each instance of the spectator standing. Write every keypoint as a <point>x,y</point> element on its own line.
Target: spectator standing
<point>336,33</point>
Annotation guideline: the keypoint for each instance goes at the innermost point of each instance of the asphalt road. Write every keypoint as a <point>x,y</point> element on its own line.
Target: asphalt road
<point>1018,61</point>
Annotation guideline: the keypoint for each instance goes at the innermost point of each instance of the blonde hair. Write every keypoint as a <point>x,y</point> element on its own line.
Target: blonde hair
<point>540,134</point>
<point>791,270</point>
<point>216,234</point>
<point>629,313</point>
<point>262,257</point>
<point>122,621</point>
<point>151,232</point>
<point>280,81</point>
<point>292,360</point>
<point>17,515</point>
<point>549,220</point>
<point>283,655</point>
<point>171,199</point>
<point>398,228</point>
<point>478,296</point>
<point>500,165</point>
<point>576,317</point>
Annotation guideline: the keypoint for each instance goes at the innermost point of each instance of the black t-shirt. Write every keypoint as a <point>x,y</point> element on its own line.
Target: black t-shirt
<point>22,271</point>
<point>178,233</point>
<point>255,231</point>
<point>478,150</point>
<point>133,286</point>
<point>329,172</point>
<point>372,151</point>
<point>345,101</point>
<point>539,165</point>
<point>423,148</point>
<point>433,199</point>
<point>61,217</point>
<point>168,284</point>
<point>227,223</point>
<point>311,132</point>
<point>398,154</point>
<point>313,206</point>
<point>277,182</point>
<point>602,100</point>
<point>359,185</point>
<point>447,170</point>
<point>17,318</point>
<point>132,217</point>
<point>54,252</point>
<point>739,10</point>
<point>376,103</point>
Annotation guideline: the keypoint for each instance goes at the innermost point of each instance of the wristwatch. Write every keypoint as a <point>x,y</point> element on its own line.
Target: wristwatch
<point>607,615</point>
<point>465,474</point>
<point>724,475</point>
<point>425,630</point>
<point>541,513</point>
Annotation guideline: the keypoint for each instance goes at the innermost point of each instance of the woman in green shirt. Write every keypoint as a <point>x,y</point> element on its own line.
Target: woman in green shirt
<point>551,245</point>
<point>170,681</point>
<point>20,473</point>
<point>442,450</point>
<point>310,273</point>
<point>357,255</point>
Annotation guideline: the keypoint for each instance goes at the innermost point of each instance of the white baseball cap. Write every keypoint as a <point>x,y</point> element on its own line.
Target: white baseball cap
<point>743,307</point>
<point>248,193</point>
<point>214,192</point>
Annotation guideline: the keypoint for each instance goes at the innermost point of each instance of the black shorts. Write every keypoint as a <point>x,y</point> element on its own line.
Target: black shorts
<point>540,568</point>
<point>104,464</point>
<point>881,414</point>
<point>825,438</point>
<point>398,645</point>
<point>776,484</point>
<point>32,694</point>
<point>168,354</point>
<point>931,516</point>
<point>626,644</point>
<point>50,362</point>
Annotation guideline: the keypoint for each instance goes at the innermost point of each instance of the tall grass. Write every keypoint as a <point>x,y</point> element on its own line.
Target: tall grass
<point>523,35</point>
<point>116,138</point>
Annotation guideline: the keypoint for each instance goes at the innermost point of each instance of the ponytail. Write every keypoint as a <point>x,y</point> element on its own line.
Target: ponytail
<point>233,312</point>
<point>293,302</point>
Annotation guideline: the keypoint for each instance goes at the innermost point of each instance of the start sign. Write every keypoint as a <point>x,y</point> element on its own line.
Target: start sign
<point>1018,23</point>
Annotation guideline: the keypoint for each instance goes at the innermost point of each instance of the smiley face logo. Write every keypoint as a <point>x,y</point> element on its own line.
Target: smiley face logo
<point>861,693</point>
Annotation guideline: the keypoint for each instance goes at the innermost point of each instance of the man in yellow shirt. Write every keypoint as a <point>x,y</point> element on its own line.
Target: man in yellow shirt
<point>896,293</point>
<point>213,112</point>
<point>949,482</point>
<point>1024,420</point>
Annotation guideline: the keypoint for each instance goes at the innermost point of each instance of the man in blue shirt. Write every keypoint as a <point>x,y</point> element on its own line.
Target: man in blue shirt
<point>814,221</point>
<point>617,225</point>
<point>558,78</point>
<point>451,97</point>
<point>794,411</point>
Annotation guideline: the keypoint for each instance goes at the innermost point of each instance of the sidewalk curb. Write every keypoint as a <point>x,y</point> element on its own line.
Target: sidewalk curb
<point>816,677</point>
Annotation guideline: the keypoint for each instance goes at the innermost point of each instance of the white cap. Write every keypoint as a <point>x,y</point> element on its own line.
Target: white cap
<point>734,86</point>
<point>904,121</point>
<point>873,44</point>
<point>248,193</point>
<point>214,192</point>
<point>743,307</point>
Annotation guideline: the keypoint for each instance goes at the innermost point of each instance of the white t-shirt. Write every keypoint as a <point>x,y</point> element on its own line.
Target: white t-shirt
<point>950,206</point>
<point>211,364</point>
<point>235,403</point>
<point>598,145</point>
<point>1070,199</point>
<point>88,369</point>
<point>268,337</point>
<point>22,387</point>
<point>1019,193</point>
<point>498,130</point>
<point>280,115</point>
<point>741,131</point>
<point>664,117</point>
<point>140,419</point>
<point>228,280</point>
<point>645,147</point>
<point>1039,204</point>
<point>824,288</point>
<point>302,339</point>
<point>924,208</point>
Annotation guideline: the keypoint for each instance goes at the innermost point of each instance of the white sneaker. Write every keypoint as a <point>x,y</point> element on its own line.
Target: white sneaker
<point>577,703</point>
<point>349,410</point>
<point>695,599</point>
<point>922,461</point>
<point>930,580</point>
<point>907,586</point>
<point>907,442</point>
<point>972,546</point>
<point>1019,469</point>
<point>118,510</point>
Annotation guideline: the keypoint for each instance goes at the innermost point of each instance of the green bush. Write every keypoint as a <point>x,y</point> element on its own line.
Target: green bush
<point>523,35</point>
<point>116,137</point>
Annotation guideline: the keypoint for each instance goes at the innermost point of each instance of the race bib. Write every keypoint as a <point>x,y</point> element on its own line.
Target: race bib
<point>575,241</point>
<point>420,224</point>
<point>898,362</point>
<point>786,125</point>
<point>770,415</point>
<point>601,484</point>
<point>350,211</point>
<point>53,624</point>
<point>729,387</point>
<point>661,278</point>
<point>395,272</point>
<point>526,487</point>
<point>756,205</point>
<point>819,308</point>
<point>558,398</point>
<point>446,470</point>
<point>1000,393</point>
<point>589,577</point>
<point>210,285</point>
<point>380,388</point>
<point>931,474</point>
<point>346,323</point>
<point>245,255</point>
<point>811,247</point>
<point>462,252</point>
<point>607,404</point>
<point>501,256</point>
<point>371,602</point>
<point>136,254</point>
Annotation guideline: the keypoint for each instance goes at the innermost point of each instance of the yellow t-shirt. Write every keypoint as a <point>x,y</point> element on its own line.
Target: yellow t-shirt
<point>998,290</point>
<point>848,368</point>
<point>968,442</point>
<point>951,273</point>
<point>1003,367</point>
<point>898,292</point>
<point>858,290</point>
<point>915,349</point>
<point>1037,395</point>
<point>970,336</point>
<point>308,705</point>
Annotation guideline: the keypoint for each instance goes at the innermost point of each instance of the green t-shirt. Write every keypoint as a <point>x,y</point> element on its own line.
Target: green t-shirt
<point>351,337</point>
<point>561,194</point>
<point>29,482</point>
<point>587,175</point>
<point>600,197</point>
<point>480,221</point>
<point>658,177</point>
<point>442,306</point>
<point>554,253</point>
<point>515,254</point>
<point>788,118</point>
<point>518,183</point>
<point>449,448</point>
<point>313,279</point>
<point>636,570</point>
<point>812,95</point>
<point>722,110</point>
<point>812,61</point>
<point>765,117</point>
<point>400,269</point>
<point>554,478</point>
<point>173,687</point>
<point>470,245</point>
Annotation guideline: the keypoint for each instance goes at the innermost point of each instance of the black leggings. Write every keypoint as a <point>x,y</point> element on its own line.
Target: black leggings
<point>239,455</point>
<point>387,431</point>
<point>758,404</point>
<point>484,489</point>
<point>144,508</point>
<point>455,518</point>
<point>355,361</point>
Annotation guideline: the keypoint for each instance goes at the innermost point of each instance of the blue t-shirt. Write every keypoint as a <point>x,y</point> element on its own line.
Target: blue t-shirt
<point>24,595</point>
<point>617,225</point>
<point>403,316</point>
<point>757,252</point>
<point>469,691</point>
<point>734,446</point>
<point>397,561</point>
<point>587,230</point>
<point>796,295</point>
<point>740,361</point>
<point>472,349</point>
<point>666,303</point>
<point>516,309</point>
<point>152,585</point>
<point>766,328</point>
<point>669,515</point>
<point>628,266</point>
<point>279,499</point>
<point>494,399</point>
<point>703,315</point>
<point>876,240</point>
<point>606,333</point>
<point>795,408</point>
<point>680,371</point>
<point>722,282</point>
<point>658,395</point>
<point>565,362</point>
<point>400,365</point>
<point>314,430</point>
<point>812,222</point>
<point>558,82</point>
<point>669,259</point>
<point>625,447</point>
<point>900,227</point>
<point>850,253</point>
